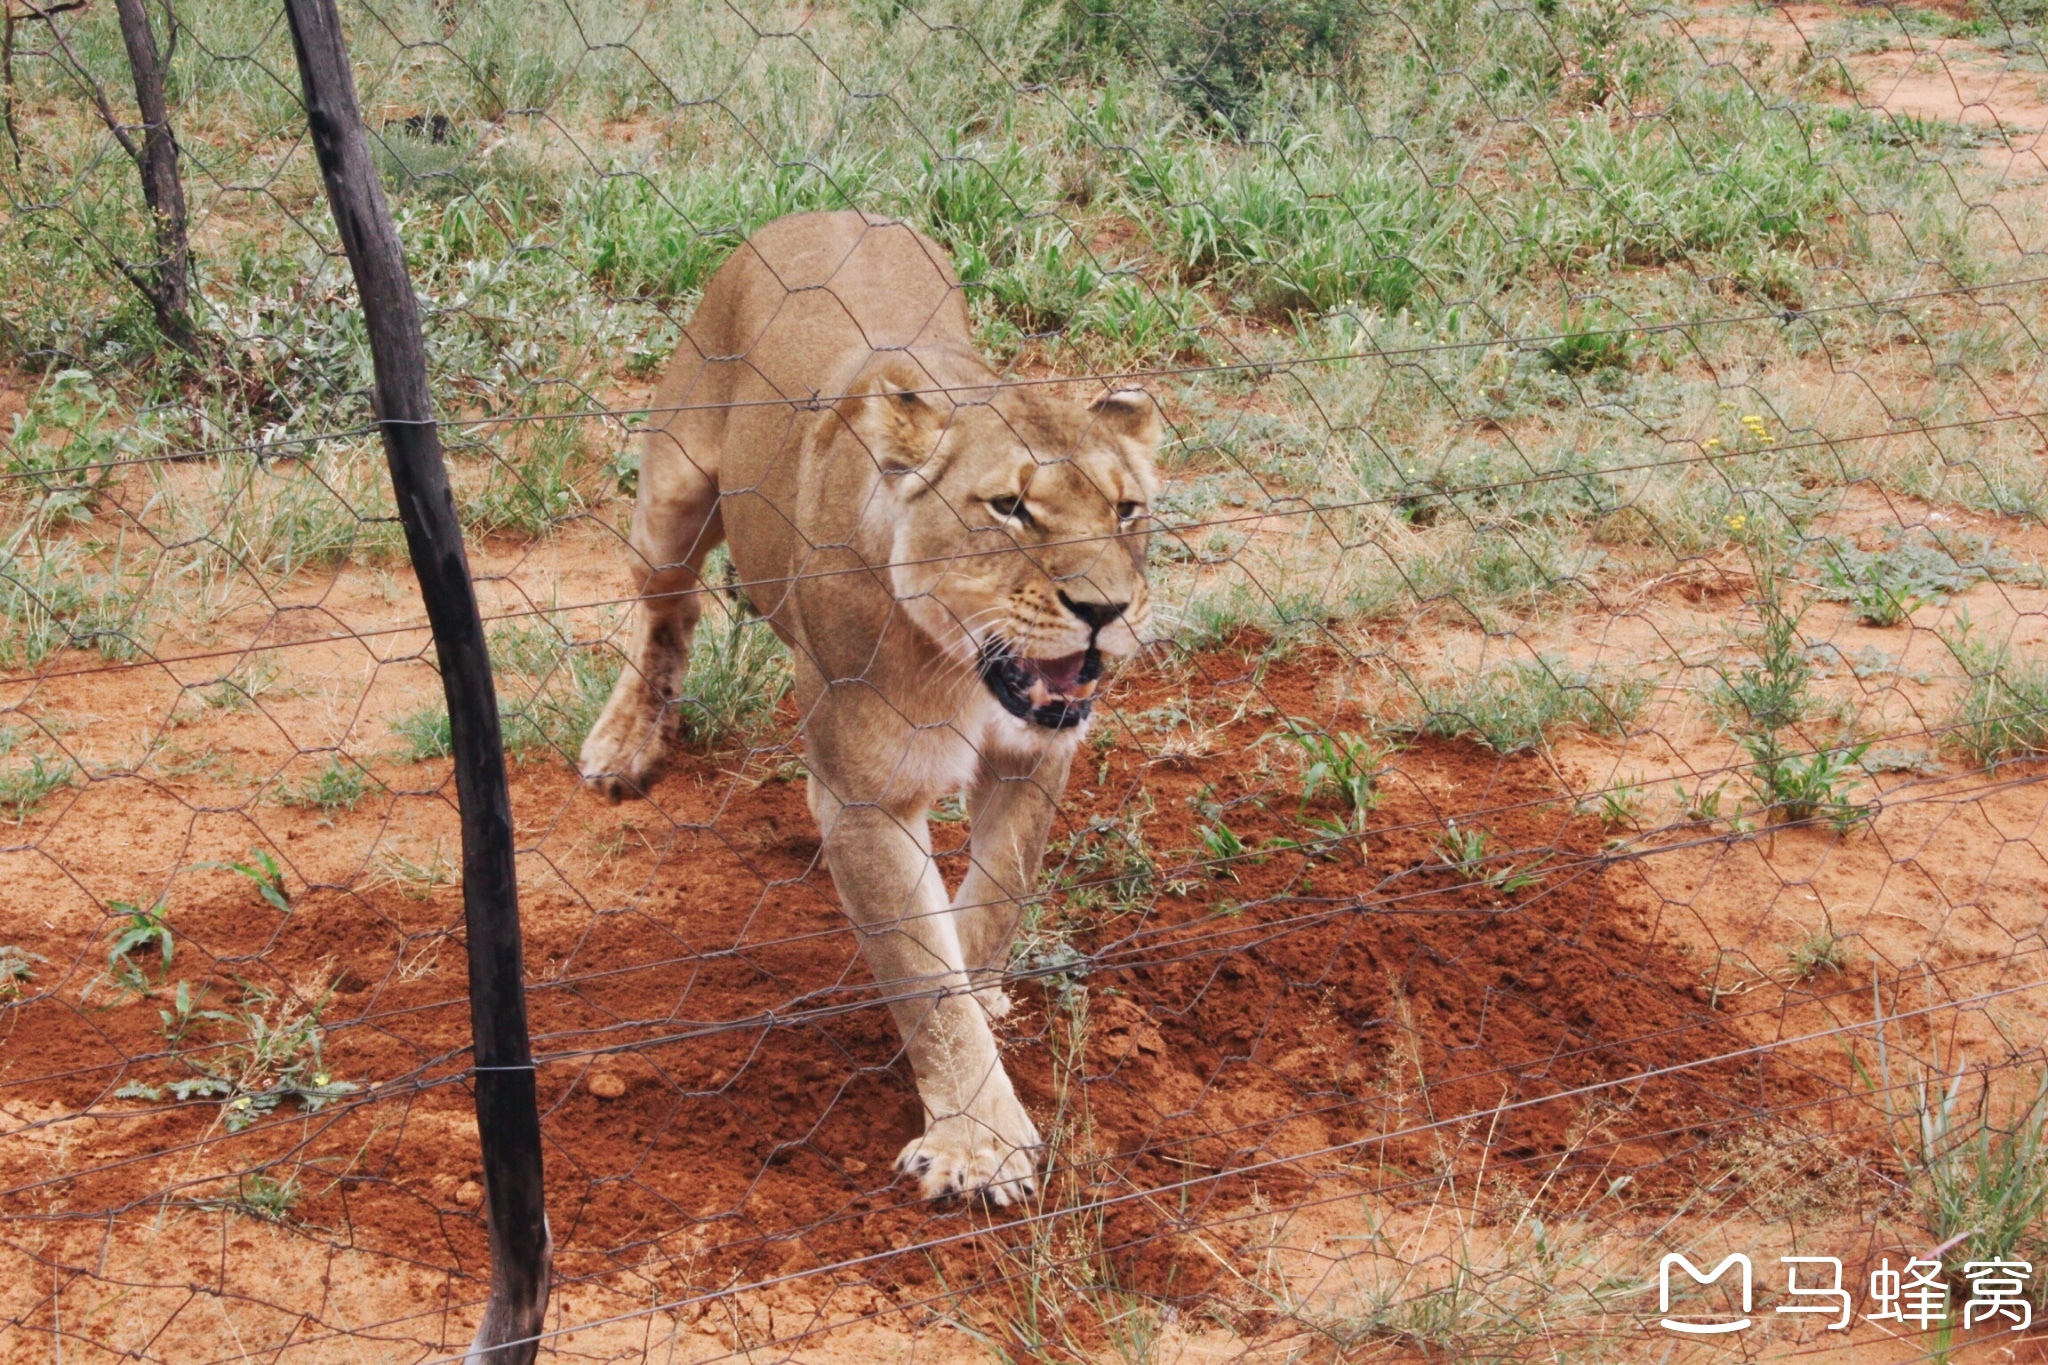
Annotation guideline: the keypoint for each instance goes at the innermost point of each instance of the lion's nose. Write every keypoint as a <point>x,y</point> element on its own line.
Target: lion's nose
<point>1096,614</point>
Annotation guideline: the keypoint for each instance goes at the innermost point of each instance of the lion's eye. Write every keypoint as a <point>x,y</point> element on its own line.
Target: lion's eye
<point>1010,509</point>
<point>1128,512</point>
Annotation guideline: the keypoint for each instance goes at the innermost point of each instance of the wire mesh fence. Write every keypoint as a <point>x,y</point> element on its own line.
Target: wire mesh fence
<point>1537,506</point>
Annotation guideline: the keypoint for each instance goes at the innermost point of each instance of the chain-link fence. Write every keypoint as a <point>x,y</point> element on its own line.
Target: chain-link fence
<point>1537,505</point>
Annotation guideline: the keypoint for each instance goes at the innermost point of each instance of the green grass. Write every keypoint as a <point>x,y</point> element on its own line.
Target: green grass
<point>1821,951</point>
<point>1108,867</point>
<point>2000,710</point>
<point>739,673</point>
<point>1171,184</point>
<point>17,969</point>
<point>1774,692</point>
<point>1517,707</point>
<point>550,690</point>
<point>26,785</point>
<point>140,934</point>
<point>268,1198</point>
<point>334,786</point>
<point>423,734</point>
<point>1972,1144</point>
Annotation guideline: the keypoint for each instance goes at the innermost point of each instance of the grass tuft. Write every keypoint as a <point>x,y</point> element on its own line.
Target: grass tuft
<point>1518,707</point>
<point>335,786</point>
<point>2001,710</point>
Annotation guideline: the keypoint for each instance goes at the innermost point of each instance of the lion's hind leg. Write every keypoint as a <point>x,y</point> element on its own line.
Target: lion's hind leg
<point>675,526</point>
<point>1012,808</point>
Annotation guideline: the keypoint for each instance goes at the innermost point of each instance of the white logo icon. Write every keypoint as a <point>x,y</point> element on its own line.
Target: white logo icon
<point>1701,1328</point>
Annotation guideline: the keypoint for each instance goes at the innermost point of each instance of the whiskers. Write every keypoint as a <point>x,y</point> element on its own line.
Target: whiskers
<point>955,667</point>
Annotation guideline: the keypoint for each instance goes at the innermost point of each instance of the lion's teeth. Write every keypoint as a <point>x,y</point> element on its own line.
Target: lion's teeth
<point>1041,695</point>
<point>1084,691</point>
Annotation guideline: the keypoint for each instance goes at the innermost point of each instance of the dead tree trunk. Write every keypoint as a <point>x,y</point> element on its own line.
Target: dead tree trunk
<point>166,282</point>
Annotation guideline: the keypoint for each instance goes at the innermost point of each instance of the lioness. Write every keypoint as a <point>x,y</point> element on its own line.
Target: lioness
<point>949,559</point>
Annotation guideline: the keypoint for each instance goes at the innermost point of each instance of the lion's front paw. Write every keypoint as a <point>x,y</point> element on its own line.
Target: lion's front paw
<point>995,1001</point>
<point>625,750</point>
<point>992,1150</point>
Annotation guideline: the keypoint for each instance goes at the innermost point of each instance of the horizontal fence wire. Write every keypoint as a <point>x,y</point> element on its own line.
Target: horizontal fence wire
<point>1569,796</point>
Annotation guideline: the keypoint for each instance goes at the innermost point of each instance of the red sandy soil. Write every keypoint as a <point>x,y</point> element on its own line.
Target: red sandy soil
<point>722,1100</point>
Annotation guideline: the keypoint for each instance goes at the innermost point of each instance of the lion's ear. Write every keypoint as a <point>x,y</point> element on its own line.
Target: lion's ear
<point>1133,413</point>
<point>888,410</point>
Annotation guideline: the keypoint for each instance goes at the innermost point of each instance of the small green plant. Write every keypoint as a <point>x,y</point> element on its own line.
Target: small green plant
<point>138,930</point>
<point>739,673</point>
<point>424,734</point>
<point>1886,585</point>
<point>178,1020</point>
<point>264,873</point>
<point>1584,352</point>
<point>1464,848</point>
<point>1511,879</point>
<point>1223,846</point>
<point>535,483</point>
<point>1468,850</point>
<point>62,448</point>
<point>24,787</point>
<point>1878,598</point>
<point>1821,951</point>
<point>258,1055</point>
<point>239,689</point>
<point>1342,763</point>
<point>335,786</point>
<point>1773,693</point>
<point>416,878</point>
<point>1109,863</point>
<point>1765,703</point>
<point>1701,805</point>
<point>17,969</point>
<point>272,1200</point>
<point>1621,807</point>
<point>553,693</point>
<point>1801,786</point>
<point>1221,58</point>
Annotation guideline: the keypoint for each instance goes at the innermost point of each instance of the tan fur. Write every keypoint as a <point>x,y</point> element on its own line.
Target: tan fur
<point>826,414</point>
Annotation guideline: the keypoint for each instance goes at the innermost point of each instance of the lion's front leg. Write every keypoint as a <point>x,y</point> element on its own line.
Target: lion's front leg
<point>977,1137</point>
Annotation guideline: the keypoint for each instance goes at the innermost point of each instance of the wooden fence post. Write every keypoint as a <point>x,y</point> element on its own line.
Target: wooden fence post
<point>508,1119</point>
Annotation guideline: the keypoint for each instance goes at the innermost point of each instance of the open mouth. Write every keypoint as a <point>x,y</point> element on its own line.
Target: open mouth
<point>1053,693</point>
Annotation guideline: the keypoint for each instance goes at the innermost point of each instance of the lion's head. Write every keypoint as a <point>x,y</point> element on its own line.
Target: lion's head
<point>1015,519</point>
